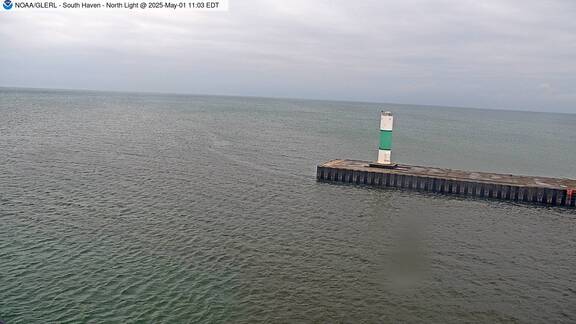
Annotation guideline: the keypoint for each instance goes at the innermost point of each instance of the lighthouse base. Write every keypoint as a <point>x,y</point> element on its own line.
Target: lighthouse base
<point>383,166</point>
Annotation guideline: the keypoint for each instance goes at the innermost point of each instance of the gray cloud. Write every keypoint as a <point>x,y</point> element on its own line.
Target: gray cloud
<point>492,53</point>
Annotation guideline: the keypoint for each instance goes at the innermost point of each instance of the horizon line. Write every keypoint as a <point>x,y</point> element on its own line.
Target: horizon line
<point>282,98</point>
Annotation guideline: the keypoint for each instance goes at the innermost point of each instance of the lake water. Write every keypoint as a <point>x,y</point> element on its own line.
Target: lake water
<point>200,209</point>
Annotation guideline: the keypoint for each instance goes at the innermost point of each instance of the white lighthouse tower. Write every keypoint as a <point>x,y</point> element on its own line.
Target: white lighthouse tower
<point>385,146</point>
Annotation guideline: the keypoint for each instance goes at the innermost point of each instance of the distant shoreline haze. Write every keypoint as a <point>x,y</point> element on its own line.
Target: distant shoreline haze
<point>360,102</point>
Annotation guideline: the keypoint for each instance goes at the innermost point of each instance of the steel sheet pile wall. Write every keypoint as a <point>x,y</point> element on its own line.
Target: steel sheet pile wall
<point>377,178</point>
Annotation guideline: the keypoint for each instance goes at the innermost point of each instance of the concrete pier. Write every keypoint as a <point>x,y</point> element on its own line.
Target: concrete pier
<point>541,190</point>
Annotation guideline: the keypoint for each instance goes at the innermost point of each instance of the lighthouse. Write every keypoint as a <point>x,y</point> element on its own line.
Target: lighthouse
<point>385,146</point>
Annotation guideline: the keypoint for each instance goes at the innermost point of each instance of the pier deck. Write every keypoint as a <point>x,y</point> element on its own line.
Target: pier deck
<point>543,190</point>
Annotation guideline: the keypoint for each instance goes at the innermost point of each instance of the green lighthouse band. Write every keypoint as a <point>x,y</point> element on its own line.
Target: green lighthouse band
<point>385,140</point>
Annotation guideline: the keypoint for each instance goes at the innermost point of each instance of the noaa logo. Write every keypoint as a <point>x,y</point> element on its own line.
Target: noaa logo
<point>7,4</point>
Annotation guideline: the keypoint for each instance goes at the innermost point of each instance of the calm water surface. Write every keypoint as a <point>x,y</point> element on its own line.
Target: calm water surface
<point>194,209</point>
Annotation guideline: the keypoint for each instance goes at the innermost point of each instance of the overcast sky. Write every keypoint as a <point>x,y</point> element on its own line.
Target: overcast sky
<point>474,53</point>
